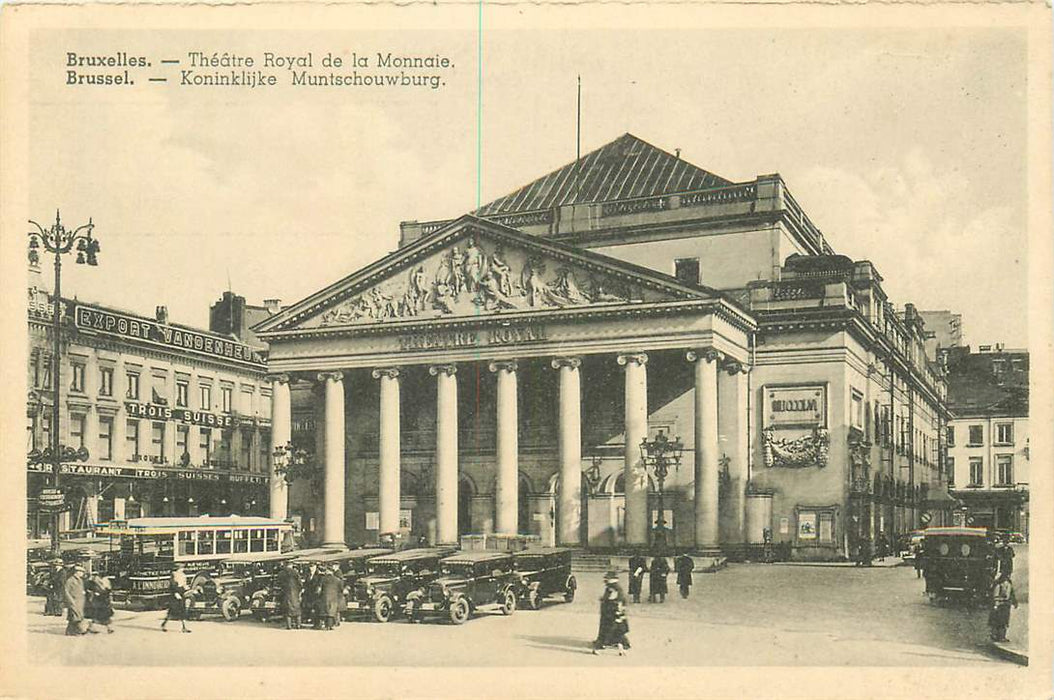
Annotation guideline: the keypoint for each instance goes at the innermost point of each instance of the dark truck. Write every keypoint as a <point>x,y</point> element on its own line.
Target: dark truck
<point>467,581</point>
<point>545,571</point>
<point>382,592</point>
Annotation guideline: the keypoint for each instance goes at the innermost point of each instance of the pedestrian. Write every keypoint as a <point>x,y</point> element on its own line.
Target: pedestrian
<point>883,547</point>
<point>999,618</point>
<point>178,600</point>
<point>1004,555</point>
<point>55,600</point>
<point>614,626</point>
<point>638,566</point>
<point>73,595</point>
<point>100,602</point>
<point>342,597</point>
<point>684,565</point>
<point>329,598</point>
<point>768,554</point>
<point>660,569</point>
<point>920,560</point>
<point>313,595</point>
<point>291,587</point>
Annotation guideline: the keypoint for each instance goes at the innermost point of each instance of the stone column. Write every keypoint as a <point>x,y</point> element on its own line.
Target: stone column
<point>569,498</point>
<point>706,451</point>
<point>732,402</point>
<point>506,485</point>
<point>634,473</point>
<point>281,433</point>
<point>388,450</point>
<point>333,504</point>
<point>446,453</point>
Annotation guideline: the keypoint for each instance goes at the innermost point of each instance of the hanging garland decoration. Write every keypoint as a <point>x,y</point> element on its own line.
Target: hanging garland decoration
<point>805,451</point>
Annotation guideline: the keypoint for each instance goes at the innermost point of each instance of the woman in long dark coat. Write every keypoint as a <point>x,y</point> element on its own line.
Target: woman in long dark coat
<point>613,622</point>
<point>638,566</point>
<point>329,603</point>
<point>685,564</point>
<point>660,569</point>
<point>73,594</point>
<point>291,587</point>
<point>56,589</point>
<point>177,600</point>
<point>100,602</point>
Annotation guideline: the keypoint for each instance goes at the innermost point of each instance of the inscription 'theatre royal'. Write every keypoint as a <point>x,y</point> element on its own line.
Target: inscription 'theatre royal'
<point>503,335</point>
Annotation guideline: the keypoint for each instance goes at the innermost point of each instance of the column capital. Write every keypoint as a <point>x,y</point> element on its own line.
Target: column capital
<point>336,376</point>
<point>448,370</point>
<point>734,367</point>
<point>707,354</point>
<point>503,365</point>
<point>279,378</point>
<point>389,372</point>
<point>572,362</point>
<point>639,358</point>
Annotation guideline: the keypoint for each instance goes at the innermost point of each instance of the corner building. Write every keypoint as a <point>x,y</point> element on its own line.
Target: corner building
<point>498,372</point>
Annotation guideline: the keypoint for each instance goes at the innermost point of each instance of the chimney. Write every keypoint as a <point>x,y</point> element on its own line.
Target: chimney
<point>161,314</point>
<point>273,306</point>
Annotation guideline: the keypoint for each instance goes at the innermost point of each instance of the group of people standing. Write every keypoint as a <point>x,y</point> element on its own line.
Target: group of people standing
<point>320,598</point>
<point>657,574</point>
<point>614,623</point>
<point>86,600</point>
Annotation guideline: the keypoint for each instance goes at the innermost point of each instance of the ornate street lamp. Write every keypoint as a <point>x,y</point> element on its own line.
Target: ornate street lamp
<point>60,241</point>
<point>659,455</point>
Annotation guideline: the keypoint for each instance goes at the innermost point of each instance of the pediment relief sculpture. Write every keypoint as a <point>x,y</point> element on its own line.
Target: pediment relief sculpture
<point>476,276</point>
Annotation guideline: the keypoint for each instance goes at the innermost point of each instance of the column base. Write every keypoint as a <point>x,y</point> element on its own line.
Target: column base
<point>334,545</point>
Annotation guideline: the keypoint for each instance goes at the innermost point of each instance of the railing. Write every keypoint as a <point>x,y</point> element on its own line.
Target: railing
<point>720,195</point>
<point>524,218</point>
<point>798,215</point>
<point>784,291</point>
<point>633,206</point>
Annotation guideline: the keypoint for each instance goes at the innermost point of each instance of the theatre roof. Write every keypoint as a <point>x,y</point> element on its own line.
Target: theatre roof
<point>625,168</point>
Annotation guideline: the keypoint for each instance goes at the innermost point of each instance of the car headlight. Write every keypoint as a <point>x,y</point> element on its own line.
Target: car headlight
<point>219,588</point>
<point>369,590</point>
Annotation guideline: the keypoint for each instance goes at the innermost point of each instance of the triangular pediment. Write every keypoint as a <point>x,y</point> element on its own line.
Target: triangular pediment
<point>472,268</point>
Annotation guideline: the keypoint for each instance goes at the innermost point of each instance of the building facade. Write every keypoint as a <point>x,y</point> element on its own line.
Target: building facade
<point>169,420</point>
<point>498,373</point>
<point>988,436</point>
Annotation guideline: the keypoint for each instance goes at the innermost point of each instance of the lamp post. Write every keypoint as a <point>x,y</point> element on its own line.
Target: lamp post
<point>60,241</point>
<point>660,454</point>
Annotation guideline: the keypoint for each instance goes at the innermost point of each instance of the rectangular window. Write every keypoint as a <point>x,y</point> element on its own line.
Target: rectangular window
<point>256,540</point>
<point>225,448</point>
<point>241,541</point>
<point>686,270</point>
<point>205,445</point>
<point>159,390</point>
<point>223,542</point>
<point>976,436</point>
<point>205,396</point>
<point>1004,433</point>
<point>31,438</point>
<point>858,410</point>
<point>157,439</point>
<point>182,435</point>
<point>186,544</point>
<point>225,396</point>
<point>77,430</point>
<point>45,379</point>
<point>77,378</point>
<point>181,394</point>
<point>272,539</point>
<point>976,471</point>
<point>826,527</point>
<point>265,455</point>
<point>246,459</point>
<point>45,429</point>
<point>1004,470</point>
<point>950,463</point>
<point>247,402</point>
<point>951,436</point>
<point>206,541</point>
<point>106,381</point>
<point>106,439</point>
<point>131,437</point>
<point>133,386</point>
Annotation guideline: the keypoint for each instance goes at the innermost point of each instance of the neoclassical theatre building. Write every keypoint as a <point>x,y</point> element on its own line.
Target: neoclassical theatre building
<point>498,372</point>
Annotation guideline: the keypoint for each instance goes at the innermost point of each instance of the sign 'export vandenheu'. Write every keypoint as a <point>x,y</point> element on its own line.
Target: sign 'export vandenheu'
<point>88,318</point>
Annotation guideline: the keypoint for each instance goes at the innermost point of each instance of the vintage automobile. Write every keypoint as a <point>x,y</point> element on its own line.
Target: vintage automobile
<point>958,563</point>
<point>265,601</point>
<point>230,590</point>
<point>391,578</point>
<point>545,571</point>
<point>467,581</point>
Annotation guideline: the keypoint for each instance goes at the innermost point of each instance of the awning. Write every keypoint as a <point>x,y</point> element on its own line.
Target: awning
<point>940,498</point>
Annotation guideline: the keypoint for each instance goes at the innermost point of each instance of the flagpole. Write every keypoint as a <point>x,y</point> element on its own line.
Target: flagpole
<point>578,141</point>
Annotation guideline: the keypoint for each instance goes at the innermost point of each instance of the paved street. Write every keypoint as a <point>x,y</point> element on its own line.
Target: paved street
<point>747,614</point>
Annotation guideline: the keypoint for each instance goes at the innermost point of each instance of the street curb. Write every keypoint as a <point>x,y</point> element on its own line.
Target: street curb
<point>1008,653</point>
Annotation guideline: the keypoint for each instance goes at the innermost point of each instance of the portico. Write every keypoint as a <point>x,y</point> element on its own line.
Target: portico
<point>480,354</point>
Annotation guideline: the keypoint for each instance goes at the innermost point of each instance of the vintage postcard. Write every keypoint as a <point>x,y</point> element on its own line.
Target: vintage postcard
<point>527,350</point>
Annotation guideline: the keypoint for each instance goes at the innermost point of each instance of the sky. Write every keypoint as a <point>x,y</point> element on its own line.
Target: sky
<point>906,147</point>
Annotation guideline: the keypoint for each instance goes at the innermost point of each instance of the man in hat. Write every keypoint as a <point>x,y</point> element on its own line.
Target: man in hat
<point>1002,598</point>
<point>331,587</point>
<point>638,566</point>
<point>660,569</point>
<point>73,593</point>
<point>684,565</point>
<point>56,589</point>
<point>291,587</point>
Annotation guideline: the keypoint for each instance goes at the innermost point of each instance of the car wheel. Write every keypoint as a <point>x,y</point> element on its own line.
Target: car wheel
<point>459,611</point>
<point>231,609</point>
<point>569,593</point>
<point>534,601</point>
<point>382,609</point>
<point>508,604</point>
